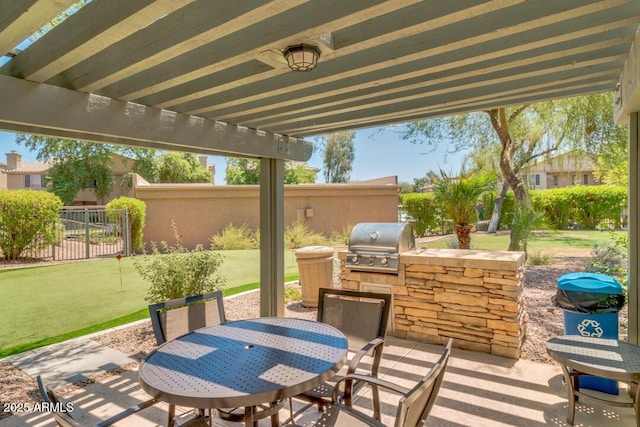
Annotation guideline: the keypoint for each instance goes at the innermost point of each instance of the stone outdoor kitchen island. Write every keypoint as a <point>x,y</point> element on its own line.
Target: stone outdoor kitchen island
<point>472,296</point>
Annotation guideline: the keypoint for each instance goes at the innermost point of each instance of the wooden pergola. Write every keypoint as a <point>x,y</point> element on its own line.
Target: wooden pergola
<point>209,77</point>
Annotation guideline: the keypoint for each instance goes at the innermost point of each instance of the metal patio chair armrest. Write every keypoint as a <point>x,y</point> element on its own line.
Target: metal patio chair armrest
<point>376,345</point>
<point>368,380</point>
<point>372,381</point>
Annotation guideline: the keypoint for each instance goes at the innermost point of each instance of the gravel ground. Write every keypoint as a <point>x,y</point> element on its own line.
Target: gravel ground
<point>544,321</point>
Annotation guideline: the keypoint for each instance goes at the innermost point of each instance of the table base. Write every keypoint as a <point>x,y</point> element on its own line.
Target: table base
<point>572,381</point>
<point>252,414</point>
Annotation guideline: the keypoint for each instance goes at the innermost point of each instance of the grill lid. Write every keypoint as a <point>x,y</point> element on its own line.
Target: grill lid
<point>381,237</point>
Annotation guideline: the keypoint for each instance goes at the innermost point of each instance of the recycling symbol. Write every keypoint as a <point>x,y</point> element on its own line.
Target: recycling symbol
<point>590,328</point>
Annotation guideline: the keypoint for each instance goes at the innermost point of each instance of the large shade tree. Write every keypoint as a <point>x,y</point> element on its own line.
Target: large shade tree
<point>242,171</point>
<point>523,134</point>
<point>79,165</point>
<point>339,153</point>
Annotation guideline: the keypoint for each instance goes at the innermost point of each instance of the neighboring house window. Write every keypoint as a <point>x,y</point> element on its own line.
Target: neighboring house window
<point>573,180</point>
<point>32,181</point>
<point>537,179</point>
<point>585,179</point>
<point>555,180</point>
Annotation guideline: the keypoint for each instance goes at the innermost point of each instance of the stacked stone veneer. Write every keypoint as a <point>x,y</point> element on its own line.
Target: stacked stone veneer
<point>474,297</point>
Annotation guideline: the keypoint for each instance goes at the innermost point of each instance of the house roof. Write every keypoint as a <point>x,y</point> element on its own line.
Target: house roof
<point>209,76</point>
<point>29,167</point>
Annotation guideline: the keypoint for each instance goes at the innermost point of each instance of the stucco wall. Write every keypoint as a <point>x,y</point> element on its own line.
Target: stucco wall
<point>201,210</point>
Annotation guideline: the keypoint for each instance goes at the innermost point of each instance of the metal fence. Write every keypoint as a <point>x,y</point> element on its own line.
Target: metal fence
<point>87,233</point>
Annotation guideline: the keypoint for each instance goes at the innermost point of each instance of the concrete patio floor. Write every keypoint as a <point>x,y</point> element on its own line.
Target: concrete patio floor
<point>478,390</point>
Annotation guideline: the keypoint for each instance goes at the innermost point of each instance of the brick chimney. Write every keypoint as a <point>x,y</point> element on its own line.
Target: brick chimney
<point>14,160</point>
<point>203,161</point>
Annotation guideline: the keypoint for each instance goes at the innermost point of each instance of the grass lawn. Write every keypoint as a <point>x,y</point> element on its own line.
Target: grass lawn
<point>42,305</point>
<point>540,241</point>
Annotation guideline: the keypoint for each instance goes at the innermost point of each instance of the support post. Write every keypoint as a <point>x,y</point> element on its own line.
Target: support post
<point>633,303</point>
<point>271,237</point>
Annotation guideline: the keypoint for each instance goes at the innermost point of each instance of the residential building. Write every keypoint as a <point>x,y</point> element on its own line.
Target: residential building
<point>18,175</point>
<point>562,170</point>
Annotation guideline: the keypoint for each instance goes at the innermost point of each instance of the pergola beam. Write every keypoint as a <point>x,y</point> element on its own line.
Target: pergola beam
<point>43,109</point>
<point>19,19</point>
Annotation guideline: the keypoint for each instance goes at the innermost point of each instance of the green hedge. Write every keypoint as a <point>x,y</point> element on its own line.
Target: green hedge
<point>29,220</point>
<point>136,210</point>
<point>427,218</point>
<point>583,206</point>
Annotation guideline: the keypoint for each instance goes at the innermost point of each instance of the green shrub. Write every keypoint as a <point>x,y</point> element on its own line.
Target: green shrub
<point>585,206</point>
<point>136,210</point>
<point>611,259</point>
<point>537,258</point>
<point>233,238</point>
<point>342,237</point>
<point>176,272</point>
<point>427,217</point>
<point>29,220</point>
<point>298,235</point>
<point>292,294</point>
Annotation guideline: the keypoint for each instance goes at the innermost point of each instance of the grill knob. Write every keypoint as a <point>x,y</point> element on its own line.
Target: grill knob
<point>374,235</point>
<point>371,261</point>
<point>355,259</point>
<point>384,261</point>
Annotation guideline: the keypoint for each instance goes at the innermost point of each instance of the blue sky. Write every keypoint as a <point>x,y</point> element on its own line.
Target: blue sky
<point>379,152</point>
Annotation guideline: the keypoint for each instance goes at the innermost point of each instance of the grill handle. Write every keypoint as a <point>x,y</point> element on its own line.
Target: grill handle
<point>373,248</point>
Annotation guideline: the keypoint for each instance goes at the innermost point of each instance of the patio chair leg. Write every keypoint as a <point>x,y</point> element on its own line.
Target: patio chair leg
<point>171,414</point>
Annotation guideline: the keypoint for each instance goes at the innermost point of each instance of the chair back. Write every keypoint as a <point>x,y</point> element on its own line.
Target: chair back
<point>172,319</point>
<point>63,419</point>
<point>360,316</point>
<point>415,405</point>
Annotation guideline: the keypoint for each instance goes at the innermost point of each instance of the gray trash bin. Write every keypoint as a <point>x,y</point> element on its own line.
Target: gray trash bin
<point>315,264</point>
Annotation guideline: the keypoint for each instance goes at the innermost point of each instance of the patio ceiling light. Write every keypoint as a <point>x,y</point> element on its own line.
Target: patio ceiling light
<point>302,57</point>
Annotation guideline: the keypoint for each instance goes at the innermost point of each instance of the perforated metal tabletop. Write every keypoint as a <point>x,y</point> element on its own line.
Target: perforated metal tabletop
<point>243,363</point>
<point>617,360</point>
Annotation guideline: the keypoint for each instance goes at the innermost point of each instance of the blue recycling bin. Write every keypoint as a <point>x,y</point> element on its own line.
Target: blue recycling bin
<point>590,304</point>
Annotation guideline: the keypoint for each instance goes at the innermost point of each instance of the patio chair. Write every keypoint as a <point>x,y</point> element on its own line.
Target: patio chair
<point>363,318</point>
<point>172,319</point>
<point>64,419</point>
<point>413,407</point>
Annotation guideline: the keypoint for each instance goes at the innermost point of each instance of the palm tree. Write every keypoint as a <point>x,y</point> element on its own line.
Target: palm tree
<point>458,198</point>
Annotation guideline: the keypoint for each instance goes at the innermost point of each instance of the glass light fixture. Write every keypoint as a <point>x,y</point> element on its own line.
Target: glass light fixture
<point>302,57</point>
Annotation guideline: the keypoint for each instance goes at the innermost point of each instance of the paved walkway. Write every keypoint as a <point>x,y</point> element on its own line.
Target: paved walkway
<point>71,361</point>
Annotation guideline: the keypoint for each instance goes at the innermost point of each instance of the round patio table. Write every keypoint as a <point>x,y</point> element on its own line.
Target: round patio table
<point>607,358</point>
<point>244,363</point>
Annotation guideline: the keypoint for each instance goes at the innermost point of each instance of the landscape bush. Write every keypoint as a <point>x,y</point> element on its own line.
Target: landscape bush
<point>585,207</point>
<point>588,207</point>
<point>177,272</point>
<point>611,259</point>
<point>234,238</point>
<point>427,217</point>
<point>341,237</point>
<point>29,220</point>
<point>136,211</point>
<point>298,235</point>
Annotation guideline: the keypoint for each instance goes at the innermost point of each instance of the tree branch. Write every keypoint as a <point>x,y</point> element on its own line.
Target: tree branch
<point>518,111</point>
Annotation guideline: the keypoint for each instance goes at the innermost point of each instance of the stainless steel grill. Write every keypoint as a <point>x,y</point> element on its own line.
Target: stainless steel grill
<point>377,246</point>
